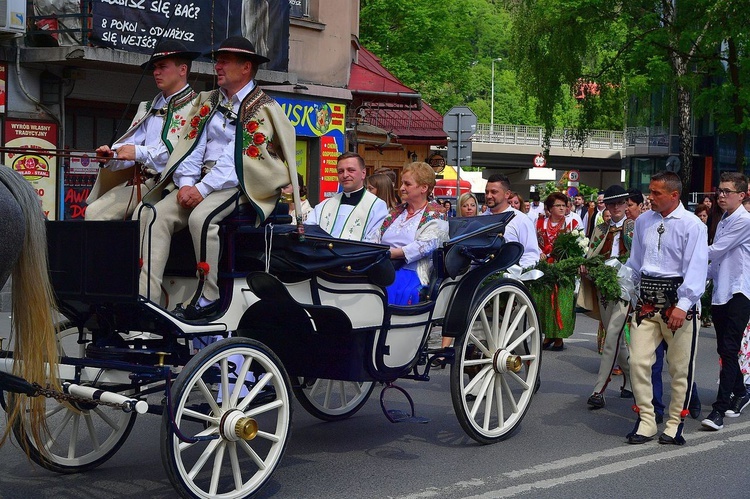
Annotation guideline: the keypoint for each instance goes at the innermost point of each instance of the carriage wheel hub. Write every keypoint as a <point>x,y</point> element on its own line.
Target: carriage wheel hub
<point>236,426</point>
<point>504,362</point>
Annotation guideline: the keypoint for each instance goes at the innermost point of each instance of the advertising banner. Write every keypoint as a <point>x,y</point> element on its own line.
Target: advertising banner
<point>325,120</point>
<point>3,86</point>
<point>138,25</point>
<point>39,169</point>
<point>80,176</point>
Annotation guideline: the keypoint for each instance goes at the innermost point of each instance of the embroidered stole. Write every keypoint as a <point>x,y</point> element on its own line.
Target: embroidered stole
<point>356,223</point>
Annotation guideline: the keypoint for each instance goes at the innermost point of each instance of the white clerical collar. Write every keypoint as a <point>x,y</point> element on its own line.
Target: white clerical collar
<point>349,194</point>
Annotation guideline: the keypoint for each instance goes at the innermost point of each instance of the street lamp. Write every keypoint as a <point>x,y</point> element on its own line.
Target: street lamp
<point>492,97</point>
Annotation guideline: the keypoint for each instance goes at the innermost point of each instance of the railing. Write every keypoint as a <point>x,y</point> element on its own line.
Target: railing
<point>522,135</point>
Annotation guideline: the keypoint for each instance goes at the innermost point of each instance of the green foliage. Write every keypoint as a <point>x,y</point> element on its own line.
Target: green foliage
<point>604,278</point>
<point>561,273</point>
<point>589,193</point>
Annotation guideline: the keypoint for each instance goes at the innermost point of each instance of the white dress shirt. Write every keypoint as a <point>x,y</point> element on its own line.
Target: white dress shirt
<point>535,211</point>
<point>730,257</point>
<point>681,251</point>
<point>216,144</point>
<point>521,230</point>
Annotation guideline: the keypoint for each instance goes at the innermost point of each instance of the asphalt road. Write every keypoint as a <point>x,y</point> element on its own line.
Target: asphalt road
<point>562,449</point>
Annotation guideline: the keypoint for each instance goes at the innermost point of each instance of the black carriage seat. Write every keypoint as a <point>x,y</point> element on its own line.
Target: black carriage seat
<point>279,310</point>
<point>182,260</point>
<point>473,242</point>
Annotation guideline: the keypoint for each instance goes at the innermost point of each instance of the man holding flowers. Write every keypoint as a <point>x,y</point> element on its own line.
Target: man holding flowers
<point>611,239</point>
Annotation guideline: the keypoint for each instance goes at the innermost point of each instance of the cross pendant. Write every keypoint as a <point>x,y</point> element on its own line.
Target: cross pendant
<point>660,230</point>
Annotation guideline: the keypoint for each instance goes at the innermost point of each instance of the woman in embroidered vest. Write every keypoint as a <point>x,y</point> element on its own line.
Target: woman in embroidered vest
<point>549,227</point>
<point>413,230</point>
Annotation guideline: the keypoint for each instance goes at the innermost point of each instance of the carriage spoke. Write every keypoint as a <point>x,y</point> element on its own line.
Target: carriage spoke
<point>524,336</point>
<point>240,384</point>
<point>112,424</point>
<point>74,436</point>
<point>268,436</point>
<point>488,405</point>
<point>203,458</point>
<point>235,463</point>
<point>216,472</point>
<point>480,396</point>
<point>512,401</point>
<point>92,431</point>
<point>264,408</point>
<point>208,396</point>
<point>493,339</point>
<point>208,431</point>
<point>506,318</point>
<point>521,314</point>
<point>500,403</point>
<point>479,377</point>
<point>478,344</point>
<point>519,379</point>
<point>199,415</point>
<point>224,364</point>
<point>262,382</point>
<point>252,454</point>
<point>57,408</point>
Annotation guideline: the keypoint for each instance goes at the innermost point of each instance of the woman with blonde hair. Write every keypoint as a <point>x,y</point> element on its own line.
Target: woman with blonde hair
<point>467,205</point>
<point>413,230</point>
<point>381,185</point>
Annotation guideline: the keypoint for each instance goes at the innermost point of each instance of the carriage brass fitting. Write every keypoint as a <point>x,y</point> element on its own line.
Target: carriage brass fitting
<point>246,428</point>
<point>513,363</point>
<point>161,355</point>
<point>330,246</point>
<point>348,268</point>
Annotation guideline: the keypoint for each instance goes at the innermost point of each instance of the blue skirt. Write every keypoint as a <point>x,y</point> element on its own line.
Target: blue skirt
<point>405,288</point>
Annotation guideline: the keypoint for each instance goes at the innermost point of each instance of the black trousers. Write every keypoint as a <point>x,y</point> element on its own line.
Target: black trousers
<point>730,321</point>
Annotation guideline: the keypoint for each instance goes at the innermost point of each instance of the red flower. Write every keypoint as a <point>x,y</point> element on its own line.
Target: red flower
<point>550,260</point>
<point>252,126</point>
<point>195,121</point>
<point>203,268</point>
<point>259,138</point>
<point>204,110</point>
<point>548,249</point>
<point>193,134</point>
<point>253,152</point>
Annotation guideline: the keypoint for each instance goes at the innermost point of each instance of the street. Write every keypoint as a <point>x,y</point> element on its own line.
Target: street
<point>562,449</point>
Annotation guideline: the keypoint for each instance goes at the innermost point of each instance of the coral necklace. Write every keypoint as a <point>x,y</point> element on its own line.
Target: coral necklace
<point>553,230</point>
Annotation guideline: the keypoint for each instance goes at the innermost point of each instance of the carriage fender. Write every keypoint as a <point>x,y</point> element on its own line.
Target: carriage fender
<point>464,297</point>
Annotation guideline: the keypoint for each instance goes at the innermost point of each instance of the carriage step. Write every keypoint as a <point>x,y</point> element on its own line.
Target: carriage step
<point>397,415</point>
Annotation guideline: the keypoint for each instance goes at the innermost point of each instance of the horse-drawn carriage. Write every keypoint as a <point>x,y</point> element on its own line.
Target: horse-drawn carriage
<point>302,314</point>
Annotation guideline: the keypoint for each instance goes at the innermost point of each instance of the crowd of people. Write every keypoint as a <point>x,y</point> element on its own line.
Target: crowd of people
<point>181,155</point>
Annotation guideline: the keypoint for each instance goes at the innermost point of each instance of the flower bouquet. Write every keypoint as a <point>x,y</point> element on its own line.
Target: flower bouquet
<point>554,292</point>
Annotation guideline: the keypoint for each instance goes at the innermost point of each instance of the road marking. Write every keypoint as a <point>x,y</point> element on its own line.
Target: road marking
<point>654,452</point>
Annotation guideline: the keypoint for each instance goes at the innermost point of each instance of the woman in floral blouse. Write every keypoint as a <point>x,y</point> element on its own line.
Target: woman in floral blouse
<point>413,230</point>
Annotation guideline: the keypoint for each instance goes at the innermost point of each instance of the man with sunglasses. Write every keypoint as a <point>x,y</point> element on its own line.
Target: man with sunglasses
<point>730,302</point>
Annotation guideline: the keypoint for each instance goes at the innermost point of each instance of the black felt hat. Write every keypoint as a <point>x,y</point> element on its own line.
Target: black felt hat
<point>615,193</point>
<point>169,48</point>
<point>242,47</point>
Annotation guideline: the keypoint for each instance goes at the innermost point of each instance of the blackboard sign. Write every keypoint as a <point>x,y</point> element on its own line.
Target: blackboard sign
<point>138,25</point>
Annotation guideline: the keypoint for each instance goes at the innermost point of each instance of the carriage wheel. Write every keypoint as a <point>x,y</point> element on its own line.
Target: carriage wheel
<point>497,362</point>
<point>80,436</point>
<point>236,433</point>
<point>67,340</point>
<point>330,399</point>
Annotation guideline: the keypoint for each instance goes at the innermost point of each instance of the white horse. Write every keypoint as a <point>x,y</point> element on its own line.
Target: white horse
<point>23,254</point>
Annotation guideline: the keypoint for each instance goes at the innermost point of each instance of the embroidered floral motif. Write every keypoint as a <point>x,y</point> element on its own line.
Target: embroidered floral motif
<point>178,121</point>
<point>255,139</point>
<point>431,212</point>
<point>197,121</point>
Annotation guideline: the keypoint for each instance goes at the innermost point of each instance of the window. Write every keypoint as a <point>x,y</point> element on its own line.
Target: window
<point>299,8</point>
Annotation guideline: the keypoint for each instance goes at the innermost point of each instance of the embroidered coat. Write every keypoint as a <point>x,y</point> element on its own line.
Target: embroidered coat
<point>265,141</point>
<point>175,118</point>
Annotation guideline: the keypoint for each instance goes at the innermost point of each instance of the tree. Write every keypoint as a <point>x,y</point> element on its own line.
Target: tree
<point>626,46</point>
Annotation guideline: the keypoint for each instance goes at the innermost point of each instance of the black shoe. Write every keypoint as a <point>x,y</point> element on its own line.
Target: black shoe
<point>714,421</point>
<point>659,418</point>
<point>626,394</point>
<point>596,401</point>
<point>695,411</point>
<point>557,348</point>
<point>195,312</point>
<point>737,405</point>
<point>547,344</point>
<point>637,439</point>
<point>439,362</point>
<point>666,439</point>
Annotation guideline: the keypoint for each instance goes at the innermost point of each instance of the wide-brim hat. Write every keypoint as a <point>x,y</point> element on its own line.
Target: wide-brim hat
<point>615,193</point>
<point>167,49</point>
<point>242,47</point>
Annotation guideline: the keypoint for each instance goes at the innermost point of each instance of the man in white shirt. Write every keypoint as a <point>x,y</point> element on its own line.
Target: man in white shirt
<point>139,156</point>
<point>669,258</point>
<point>536,208</point>
<point>730,302</point>
<point>207,177</point>
<point>570,215</point>
<point>355,213</point>
<point>520,228</point>
<point>597,217</point>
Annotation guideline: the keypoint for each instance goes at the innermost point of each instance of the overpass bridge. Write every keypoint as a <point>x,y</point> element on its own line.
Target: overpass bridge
<point>510,149</point>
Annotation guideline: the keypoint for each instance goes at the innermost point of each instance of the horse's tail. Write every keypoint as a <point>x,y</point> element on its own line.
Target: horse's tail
<point>33,323</point>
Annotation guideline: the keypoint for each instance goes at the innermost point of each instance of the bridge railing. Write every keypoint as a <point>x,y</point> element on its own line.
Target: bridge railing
<point>522,135</point>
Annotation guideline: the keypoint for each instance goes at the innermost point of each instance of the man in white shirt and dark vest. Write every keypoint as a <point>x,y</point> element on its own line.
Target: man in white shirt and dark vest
<point>132,165</point>
<point>669,258</point>
<point>520,228</point>
<point>611,239</point>
<point>237,147</point>
<point>730,302</point>
<point>355,213</point>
